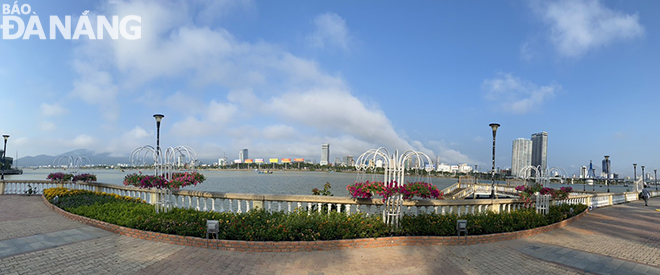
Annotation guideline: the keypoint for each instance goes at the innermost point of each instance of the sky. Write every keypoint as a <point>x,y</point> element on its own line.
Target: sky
<point>280,78</point>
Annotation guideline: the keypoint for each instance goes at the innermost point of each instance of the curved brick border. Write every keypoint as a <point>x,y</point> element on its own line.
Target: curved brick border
<point>309,245</point>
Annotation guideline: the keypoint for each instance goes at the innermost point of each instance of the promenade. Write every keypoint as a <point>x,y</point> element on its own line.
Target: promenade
<point>620,239</point>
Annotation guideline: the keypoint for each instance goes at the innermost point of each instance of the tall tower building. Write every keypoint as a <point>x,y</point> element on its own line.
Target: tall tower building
<point>606,168</point>
<point>325,154</point>
<point>243,155</point>
<point>540,150</point>
<point>521,156</point>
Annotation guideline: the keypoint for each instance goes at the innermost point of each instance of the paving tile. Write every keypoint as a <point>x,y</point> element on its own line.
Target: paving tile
<point>609,240</point>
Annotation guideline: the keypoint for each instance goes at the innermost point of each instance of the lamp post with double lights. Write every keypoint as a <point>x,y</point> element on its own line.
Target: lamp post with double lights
<point>493,126</point>
<point>4,156</point>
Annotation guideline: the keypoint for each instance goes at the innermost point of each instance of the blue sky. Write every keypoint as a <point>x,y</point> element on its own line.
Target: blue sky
<point>281,78</point>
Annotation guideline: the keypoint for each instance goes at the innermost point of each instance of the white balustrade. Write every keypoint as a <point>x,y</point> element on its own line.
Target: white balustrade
<point>273,203</point>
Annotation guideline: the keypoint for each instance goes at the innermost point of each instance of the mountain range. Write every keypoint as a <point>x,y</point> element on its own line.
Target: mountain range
<point>95,158</point>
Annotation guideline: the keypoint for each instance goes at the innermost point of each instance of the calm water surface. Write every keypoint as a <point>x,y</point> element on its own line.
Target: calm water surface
<point>280,182</point>
<point>233,181</point>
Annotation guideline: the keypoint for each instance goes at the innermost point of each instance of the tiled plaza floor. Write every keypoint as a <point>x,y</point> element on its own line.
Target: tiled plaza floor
<point>622,239</point>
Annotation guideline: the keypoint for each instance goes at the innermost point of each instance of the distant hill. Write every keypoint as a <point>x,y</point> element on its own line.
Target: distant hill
<point>96,158</point>
<point>45,160</point>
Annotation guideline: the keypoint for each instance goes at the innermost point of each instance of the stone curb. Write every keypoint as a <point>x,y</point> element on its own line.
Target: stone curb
<point>288,246</point>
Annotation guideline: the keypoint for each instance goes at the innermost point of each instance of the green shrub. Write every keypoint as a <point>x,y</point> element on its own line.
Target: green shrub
<point>485,223</point>
<point>261,225</point>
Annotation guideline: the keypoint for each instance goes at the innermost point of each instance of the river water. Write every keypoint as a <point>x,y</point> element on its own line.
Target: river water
<point>279,182</point>
<point>243,181</point>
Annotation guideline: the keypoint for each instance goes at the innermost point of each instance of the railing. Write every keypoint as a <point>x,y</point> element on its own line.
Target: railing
<point>229,202</point>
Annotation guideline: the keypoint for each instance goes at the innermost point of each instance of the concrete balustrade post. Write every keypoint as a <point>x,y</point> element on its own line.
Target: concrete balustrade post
<point>495,208</point>
<point>153,197</point>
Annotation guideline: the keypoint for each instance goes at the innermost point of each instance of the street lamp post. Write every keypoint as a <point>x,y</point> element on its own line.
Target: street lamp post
<point>655,178</point>
<point>607,172</point>
<point>158,118</point>
<point>4,156</point>
<point>635,176</point>
<point>493,126</point>
<point>643,177</point>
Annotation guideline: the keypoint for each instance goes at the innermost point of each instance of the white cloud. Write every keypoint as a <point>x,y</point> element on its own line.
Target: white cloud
<point>515,95</point>
<point>83,141</point>
<point>279,132</point>
<point>526,53</point>
<point>577,27</point>
<point>221,113</point>
<point>237,94</point>
<point>136,133</point>
<point>448,155</point>
<point>47,126</point>
<point>330,30</point>
<point>53,109</point>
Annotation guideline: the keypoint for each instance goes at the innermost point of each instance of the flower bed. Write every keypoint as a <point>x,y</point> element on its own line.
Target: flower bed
<point>177,181</point>
<point>84,177</point>
<point>365,190</point>
<point>59,177</point>
<point>526,192</point>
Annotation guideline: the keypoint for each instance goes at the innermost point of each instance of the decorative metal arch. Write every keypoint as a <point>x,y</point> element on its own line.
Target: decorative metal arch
<point>72,163</point>
<point>165,164</point>
<point>395,171</point>
<point>542,176</point>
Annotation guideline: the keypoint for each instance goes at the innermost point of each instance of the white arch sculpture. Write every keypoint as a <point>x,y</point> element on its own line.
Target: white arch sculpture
<point>395,172</point>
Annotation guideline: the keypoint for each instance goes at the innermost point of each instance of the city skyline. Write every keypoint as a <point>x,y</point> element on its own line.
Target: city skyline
<point>282,78</point>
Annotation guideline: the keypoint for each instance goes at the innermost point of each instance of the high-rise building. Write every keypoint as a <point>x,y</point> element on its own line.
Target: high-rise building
<point>325,154</point>
<point>243,155</point>
<point>521,157</point>
<point>606,167</point>
<point>540,150</point>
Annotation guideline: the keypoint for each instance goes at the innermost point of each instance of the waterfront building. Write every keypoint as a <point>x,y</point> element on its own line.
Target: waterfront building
<point>337,161</point>
<point>583,172</point>
<point>521,157</point>
<point>325,154</point>
<point>540,150</point>
<point>350,161</point>
<point>463,168</point>
<point>443,167</point>
<point>243,155</point>
<point>606,168</point>
<point>222,161</point>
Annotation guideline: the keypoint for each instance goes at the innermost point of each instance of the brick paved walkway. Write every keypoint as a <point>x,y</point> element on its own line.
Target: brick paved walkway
<point>622,239</point>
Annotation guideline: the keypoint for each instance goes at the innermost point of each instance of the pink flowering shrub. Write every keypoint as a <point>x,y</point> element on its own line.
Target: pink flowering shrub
<point>423,190</point>
<point>84,177</point>
<point>59,177</point>
<point>185,179</point>
<point>367,189</point>
<point>177,181</point>
<point>526,192</point>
